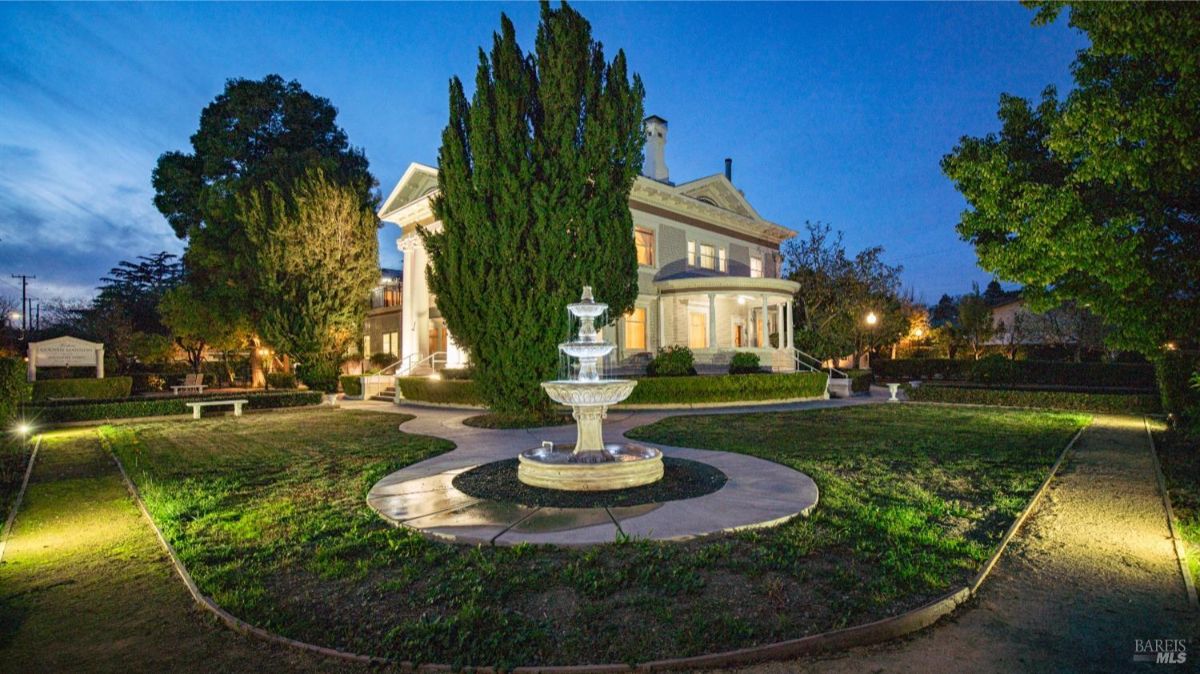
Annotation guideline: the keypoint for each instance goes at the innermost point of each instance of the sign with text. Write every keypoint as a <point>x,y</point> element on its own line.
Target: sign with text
<point>66,352</point>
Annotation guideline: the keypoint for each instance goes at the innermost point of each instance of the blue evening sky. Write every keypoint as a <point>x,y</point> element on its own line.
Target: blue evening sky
<point>831,112</point>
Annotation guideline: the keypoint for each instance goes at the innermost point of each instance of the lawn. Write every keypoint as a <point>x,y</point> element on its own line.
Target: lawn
<point>268,513</point>
<point>1179,454</point>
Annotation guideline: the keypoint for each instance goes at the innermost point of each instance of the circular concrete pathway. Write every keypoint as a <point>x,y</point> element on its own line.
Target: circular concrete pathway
<point>758,493</point>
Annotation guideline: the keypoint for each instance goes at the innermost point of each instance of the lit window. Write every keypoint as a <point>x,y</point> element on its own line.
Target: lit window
<point>643,239</point>
<point>691,253</point>
<point>366,346</point>
<point>708,256</point>
<point>635,329</point>
<point>721,259</point>
<point>756,267</point>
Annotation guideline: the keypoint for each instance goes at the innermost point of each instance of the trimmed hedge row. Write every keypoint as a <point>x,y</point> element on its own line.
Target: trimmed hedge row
<point>444,391</point>
<point>91,389</point>
<point>1028,372</point>
<point>155,407</point>
<point>861,380</point>
<point>351,385</point>
<point>14,390</point>
<point>727,388</point>
<point>1117,403</point>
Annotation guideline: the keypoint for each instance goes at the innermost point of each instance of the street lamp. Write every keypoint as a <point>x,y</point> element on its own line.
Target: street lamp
<point>872,319</point>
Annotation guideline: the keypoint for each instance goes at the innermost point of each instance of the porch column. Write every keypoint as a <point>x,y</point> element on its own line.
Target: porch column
<point>765,341</point>
<point>712,320</point>
<point>789,325</point>
<point>782,329</point>
<point>662,323</point>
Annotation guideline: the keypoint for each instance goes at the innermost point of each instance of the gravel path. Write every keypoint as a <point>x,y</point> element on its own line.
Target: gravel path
<point>1091,571</point>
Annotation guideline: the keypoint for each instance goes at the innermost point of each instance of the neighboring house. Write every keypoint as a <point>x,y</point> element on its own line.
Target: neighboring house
<point>1013,323</point>
<point>382,326</point>
<point>708,273</point>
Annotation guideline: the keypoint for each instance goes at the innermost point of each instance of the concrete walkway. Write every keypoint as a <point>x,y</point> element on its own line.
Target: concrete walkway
<point>1092,571</point>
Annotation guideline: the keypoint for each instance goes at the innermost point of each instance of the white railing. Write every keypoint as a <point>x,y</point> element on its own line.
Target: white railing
<point>411,363</point>
<point>814,364</point>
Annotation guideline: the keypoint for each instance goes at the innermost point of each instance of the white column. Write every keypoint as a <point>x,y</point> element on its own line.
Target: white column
<point>766,325</point>
<point>100,363</point>
<point>408,309</point>
<point>712,320</point>
<point>780,327</point>
<point>662,323</point>
<point>788,325</point>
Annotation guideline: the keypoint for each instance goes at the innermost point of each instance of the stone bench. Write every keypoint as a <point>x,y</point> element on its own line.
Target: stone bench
<point>237,406</point>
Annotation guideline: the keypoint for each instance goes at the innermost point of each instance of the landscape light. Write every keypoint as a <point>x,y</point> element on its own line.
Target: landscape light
<point>1169,346</point>
<point>872,319</point>
<point>436,376</point>
<point>23,429</point>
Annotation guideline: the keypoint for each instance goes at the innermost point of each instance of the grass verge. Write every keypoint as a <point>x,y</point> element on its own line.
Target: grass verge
<point>268,514</point>
<point>1179,455</point>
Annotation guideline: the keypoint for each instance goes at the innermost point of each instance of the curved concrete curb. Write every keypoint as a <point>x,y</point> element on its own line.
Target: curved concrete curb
<point>1172,524</point>
<point>12,514</point>
<point>849,637</point>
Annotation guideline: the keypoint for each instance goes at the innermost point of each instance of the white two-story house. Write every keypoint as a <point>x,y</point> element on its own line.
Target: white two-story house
<point>708,273</point>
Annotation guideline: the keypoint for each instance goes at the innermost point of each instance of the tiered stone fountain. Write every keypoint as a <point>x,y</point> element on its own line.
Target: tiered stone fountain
<point>590,465</point>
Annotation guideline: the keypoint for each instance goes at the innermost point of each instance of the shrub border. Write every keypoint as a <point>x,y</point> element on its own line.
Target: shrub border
<point>867,634</point>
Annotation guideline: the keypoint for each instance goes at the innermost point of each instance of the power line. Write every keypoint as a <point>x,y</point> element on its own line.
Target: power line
<point>24,313</point>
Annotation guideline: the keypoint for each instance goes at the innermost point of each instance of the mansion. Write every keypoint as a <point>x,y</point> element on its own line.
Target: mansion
<point>708,272</point>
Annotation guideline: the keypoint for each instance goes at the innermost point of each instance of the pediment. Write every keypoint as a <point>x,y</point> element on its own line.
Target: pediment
<point>418,181</point>
<point>716,190</point>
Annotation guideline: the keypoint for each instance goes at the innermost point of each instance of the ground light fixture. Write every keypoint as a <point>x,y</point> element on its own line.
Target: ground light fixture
<point>23,429</point>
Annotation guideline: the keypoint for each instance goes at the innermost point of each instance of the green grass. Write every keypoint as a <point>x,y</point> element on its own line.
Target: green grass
<point>85,586</point>
<point>268,513</point>
<point>1179,454</point>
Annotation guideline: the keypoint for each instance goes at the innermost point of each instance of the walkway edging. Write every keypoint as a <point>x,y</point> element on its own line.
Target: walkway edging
<point>1172,523</point>
<point>12,515</point>
<point>867,634</point>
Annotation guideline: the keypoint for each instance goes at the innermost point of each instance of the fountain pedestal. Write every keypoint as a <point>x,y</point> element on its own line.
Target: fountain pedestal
<point>591,465</point>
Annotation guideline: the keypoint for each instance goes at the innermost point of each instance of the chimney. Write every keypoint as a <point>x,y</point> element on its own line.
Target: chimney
<point>655,165</point>
<point>729,169</point>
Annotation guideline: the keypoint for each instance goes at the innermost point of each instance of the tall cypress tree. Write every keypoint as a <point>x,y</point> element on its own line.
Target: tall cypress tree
<point>535,174</point>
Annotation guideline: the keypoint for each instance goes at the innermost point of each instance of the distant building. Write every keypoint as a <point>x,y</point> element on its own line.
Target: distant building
<point>382,326</point>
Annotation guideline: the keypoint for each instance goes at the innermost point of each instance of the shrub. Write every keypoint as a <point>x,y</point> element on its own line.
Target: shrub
<point>281,380</point>
<point>14,389</point>
<point>861,380</point>
<point>445,392</point>
<point>458,373</point>
<point>1173,370</point>
<point>727,388</point>
<point>744,362</point>
<point>673,361</point>
<point>1117,403</point>
<point>993,369</point>
<point>153,407</point>
<point>320,375</point>
<point>381,360</point>
<point>351,385</point>
<point>93,389</point>
<point>1024,372</point>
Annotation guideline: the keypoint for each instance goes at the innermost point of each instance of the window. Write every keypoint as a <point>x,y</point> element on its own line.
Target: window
<point>643,240</point>
<point>756,267</point>
<point>366,346</point>
<point>721,259</point>
<point>635,329</point>
<point>708,256</point>
<point>691,253</point>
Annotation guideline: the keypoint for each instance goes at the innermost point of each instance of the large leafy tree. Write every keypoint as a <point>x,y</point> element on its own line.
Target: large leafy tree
<point>838,291</point>
<point>254,133</point>
<point>315,262</point>
<point>1095,198</point>
<point>197,325</point>
<point>535,173</point>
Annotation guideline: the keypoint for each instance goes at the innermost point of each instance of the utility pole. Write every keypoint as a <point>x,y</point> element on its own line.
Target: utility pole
<point>24,285</point>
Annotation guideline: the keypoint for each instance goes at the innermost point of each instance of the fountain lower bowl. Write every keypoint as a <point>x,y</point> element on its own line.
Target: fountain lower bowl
<point>621,466</point>
<point>588,393</point>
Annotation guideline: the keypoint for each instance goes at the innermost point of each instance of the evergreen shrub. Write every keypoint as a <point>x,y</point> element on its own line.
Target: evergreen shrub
<point>744,362</point>
<point>443,391</point>
<point>1115,403</point>
<point>93,389</point>
<point>727,388</point>
<point>281,380</point>
<point>861,380</point>
<point>673,361</point>
<point>152,407</point>
<point>320,375</point>
<point>351,385</point>
<point>14,389</point>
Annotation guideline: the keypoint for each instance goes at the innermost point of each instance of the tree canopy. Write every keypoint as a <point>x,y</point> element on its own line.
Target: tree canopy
<point>534,177</point>
<point>1096,197</point>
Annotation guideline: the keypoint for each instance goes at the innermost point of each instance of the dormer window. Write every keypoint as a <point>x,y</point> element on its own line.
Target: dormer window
<point>756,267</point>
<point>708,256</point>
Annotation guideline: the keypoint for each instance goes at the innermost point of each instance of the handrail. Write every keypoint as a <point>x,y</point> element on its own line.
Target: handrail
<point>432,359</point>
<point>815,364</point>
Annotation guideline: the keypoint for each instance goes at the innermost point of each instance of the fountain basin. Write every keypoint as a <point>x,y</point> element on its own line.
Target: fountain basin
<point>560,467</point>
<point>588,393</point>
<point>581,350</point>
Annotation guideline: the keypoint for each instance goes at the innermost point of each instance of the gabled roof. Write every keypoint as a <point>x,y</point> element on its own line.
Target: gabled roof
<point>418,181</point>
<point>718,191</point>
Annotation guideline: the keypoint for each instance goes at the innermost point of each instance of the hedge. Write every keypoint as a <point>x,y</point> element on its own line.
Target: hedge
<point>860,380</point>
<point>1029,372</point>
<point>727,388</point>
<point>445,392</point>
<point>14,390</point>
<point>1117,403</point>
<point>154,407</point>
<point>91,389</point>
<point>351,385</point>
<point>281,380</point>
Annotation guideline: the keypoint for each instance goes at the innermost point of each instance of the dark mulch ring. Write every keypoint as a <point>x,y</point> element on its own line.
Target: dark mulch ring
<point>682,479</point>
<point>503,421</point>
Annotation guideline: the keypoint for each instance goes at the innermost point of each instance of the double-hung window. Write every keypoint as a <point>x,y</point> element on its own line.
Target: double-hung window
<point>643,240</point>
<point>691,253</point>
<point>708,256</point>
<point>756,267</point>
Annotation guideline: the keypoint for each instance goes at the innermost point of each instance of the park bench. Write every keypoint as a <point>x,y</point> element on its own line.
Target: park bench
<point>191,382</point>
<point>237,406</point>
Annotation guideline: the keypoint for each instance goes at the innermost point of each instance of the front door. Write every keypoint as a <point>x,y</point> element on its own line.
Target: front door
<point>437,335</point>
<point>697,330</point>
